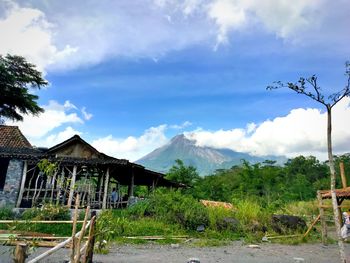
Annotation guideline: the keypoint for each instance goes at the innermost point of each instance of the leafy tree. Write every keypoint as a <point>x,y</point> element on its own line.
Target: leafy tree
<point>181,173</point>
<point>16,77</point>
<point>310,88</point>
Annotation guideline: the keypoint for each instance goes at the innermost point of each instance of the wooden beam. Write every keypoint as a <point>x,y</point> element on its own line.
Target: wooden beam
<point>104,202</point>
<point>322,218</point>
<point>342,174</point>
<point>311,226</point>
<point>21,191</point>
<point>72,185</point>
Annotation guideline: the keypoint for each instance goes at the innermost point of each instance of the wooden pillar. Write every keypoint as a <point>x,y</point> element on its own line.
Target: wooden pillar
<point>131,185</point>
<point>104,203</point>
<point>21,191</point>
<point>342,174</point>
<point>72,185</point>
<point>89,252</point>
<point>322,218</point>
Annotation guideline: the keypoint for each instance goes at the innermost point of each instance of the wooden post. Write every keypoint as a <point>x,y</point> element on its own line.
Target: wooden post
<point>342,174</point>
<point>322,218</point>
<point>72,184</point>
<point>91,240</point>
<point>131,185</point>
<point>20,253</point>
<point>21,191</point>
<point>104,203</point>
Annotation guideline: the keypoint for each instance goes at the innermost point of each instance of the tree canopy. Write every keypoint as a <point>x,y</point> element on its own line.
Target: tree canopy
<point>17,76</point>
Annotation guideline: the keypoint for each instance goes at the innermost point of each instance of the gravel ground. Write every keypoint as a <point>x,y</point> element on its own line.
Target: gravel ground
<point>236,252</point>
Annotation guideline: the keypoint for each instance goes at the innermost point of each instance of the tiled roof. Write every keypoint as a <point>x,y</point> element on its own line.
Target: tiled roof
<point>344,192</point>
<point>12,137</point>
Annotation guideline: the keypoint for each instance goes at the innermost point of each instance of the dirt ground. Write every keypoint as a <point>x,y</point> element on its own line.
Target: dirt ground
<point>236,252</point>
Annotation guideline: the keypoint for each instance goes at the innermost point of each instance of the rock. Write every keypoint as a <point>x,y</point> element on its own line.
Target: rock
<point>201,228</point>
<point>174,245</point>
<point>229,223</point>
<point>265,239</point>
<point>283,223</point>
<point>193,260</point>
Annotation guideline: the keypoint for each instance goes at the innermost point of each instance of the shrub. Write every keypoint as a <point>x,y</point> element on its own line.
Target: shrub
<point>6,214</point>
<point>47,212</point>
<point>222,219</point>
<point>175,207</point>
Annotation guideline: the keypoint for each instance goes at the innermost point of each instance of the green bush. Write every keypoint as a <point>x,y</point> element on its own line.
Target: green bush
<point>47,212</point>
<point>221,219</point>
<point>6,214</point>
<point>175,207</point>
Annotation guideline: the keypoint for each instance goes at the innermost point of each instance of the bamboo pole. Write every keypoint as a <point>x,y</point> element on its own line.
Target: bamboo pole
<point>104,202</point>
<point>82,232</point>
<point>54,249</point>
<point>72,184</point>
<point>89,252</point>
<point>312,225</point>
<point>74,229</point>
<point>322,218</point>
<point>342,174</point>
<point>39,221</point>
<point>21,191</point>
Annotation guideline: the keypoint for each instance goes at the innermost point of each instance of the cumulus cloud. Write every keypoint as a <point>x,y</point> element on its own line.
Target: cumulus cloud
<point>132,148</point>
<point>27,32</point>
<point>95,31</point>
<point>55,138</point>
<point>55,115</point>
<point>302,131</point>
<point>182,126</point>
<point>87,116</point>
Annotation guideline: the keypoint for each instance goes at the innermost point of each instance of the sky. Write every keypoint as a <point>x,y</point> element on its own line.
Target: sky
<point>127,76</point>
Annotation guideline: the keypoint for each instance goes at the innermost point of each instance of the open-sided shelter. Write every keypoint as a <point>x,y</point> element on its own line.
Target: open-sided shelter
<point>69,168</point>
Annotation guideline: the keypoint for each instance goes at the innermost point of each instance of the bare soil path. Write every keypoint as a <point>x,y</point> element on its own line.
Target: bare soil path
<point>236,252</point>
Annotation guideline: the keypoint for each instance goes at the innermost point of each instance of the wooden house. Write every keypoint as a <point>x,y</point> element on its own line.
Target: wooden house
<point>31,176</point>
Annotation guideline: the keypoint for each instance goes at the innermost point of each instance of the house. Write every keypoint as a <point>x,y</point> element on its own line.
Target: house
<point>31,176</point>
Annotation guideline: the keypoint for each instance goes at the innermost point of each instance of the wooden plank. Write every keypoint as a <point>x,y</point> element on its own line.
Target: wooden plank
<point>82,232</point>
<point>77,200</point>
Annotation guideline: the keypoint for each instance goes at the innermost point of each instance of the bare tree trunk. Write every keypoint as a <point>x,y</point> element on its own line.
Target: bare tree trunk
<point>333,193</point>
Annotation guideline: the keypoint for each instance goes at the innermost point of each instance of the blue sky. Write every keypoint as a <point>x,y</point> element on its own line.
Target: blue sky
<point>129,75</point>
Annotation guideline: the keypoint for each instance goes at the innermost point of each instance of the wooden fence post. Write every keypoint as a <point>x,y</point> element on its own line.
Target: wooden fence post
<point>20,253</point>
<point>322,218</point>
<point>89,252</point>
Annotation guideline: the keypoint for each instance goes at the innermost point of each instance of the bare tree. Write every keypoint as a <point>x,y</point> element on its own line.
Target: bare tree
<point>310,88</point>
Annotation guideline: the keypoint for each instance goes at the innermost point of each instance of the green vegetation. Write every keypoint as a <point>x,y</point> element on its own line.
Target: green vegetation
<point>256,191</point>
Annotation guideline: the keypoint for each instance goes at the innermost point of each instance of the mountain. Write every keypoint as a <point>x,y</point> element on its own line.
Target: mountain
<point>205,159</point>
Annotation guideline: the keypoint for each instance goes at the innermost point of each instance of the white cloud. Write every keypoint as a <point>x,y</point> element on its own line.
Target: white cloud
<point>87,116</point>
<point>27,32</point>
<point>132,148</point>
<point>55,115</point>
<point>55,138</point>
<point>302,131</point>
<point>96,31</point>
<point>184,125</point>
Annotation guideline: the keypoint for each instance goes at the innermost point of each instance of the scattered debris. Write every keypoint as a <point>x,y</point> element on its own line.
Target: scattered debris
<point>253,246</point>
<point>298,260</point>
